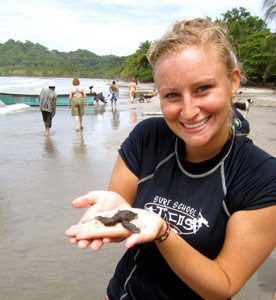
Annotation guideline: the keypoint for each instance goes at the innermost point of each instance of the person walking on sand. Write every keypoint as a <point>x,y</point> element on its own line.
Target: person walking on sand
<point>114,90</point>
<point>77,94</point>
<point>132,89</point>
<point>202,198</point>
<point>47,104</point>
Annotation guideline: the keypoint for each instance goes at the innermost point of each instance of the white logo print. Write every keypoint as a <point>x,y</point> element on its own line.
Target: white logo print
<point>183,221</point>
<point>199,222</point>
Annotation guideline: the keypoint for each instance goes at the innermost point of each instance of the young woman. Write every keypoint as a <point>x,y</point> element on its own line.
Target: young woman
<point>76,96</point>
<point>132,89</point>
<point>205,197</point>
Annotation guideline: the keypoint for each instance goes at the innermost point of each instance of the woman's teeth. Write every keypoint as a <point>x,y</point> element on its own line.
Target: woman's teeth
<point>196,124</point>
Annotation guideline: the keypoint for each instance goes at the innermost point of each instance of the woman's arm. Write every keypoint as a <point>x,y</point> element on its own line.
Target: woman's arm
<point>85,97</point>
<point>70,97</point>
<point>123,181</point>
<point>250,238</point>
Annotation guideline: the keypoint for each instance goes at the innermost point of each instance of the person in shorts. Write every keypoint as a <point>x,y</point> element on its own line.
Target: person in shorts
<point>77,94</point>
<point>47,104</point>
<point>114,90</point>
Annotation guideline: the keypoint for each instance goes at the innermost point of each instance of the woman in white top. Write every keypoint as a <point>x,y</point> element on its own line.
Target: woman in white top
<point>76,96</point>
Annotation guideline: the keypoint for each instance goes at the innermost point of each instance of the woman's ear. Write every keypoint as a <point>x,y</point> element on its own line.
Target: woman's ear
<point>235,82</point>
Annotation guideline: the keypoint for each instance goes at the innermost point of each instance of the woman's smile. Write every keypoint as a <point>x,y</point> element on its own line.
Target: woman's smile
<point>195,125</point>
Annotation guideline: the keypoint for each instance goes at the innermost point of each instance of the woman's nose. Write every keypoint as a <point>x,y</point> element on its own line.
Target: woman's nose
<point>189,109</point>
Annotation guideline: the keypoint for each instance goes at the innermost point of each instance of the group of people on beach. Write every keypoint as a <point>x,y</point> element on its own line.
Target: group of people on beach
<point>194,201</point>
<point>48,98</point>
<point>47,103</point>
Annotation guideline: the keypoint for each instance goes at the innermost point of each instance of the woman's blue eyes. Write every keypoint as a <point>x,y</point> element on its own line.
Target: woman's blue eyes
<point>171,96</point>
<point>203,88</point>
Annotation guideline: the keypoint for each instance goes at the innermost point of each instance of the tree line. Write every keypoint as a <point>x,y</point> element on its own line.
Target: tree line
<point>29,59</point>
<point>253,42</point>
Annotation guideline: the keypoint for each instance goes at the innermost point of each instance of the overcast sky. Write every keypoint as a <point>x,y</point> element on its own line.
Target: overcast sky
<point>104,26</point>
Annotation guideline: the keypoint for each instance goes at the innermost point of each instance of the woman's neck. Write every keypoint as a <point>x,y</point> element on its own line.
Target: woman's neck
<point>200,154</point>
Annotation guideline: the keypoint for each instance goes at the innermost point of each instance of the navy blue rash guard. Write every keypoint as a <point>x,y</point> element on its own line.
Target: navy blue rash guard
<point>195,198</point>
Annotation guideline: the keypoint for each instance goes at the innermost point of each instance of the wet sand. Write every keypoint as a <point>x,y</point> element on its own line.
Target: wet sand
<point>40,176</point>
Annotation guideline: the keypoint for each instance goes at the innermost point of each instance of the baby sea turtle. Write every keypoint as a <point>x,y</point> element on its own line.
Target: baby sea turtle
<point>123,217</point>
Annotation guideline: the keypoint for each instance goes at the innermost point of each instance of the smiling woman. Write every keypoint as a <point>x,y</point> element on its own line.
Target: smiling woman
<point>187,171</point>
<point>195,91</point>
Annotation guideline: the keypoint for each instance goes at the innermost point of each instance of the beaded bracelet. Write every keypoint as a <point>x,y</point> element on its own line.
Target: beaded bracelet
<point>164,236</point>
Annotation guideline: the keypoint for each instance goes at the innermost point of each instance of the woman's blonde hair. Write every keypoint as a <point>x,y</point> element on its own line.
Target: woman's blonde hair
<point>195,32</point>
<point>76,81</point>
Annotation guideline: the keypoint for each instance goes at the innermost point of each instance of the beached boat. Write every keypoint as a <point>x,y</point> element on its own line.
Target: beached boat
<point>32,100</point>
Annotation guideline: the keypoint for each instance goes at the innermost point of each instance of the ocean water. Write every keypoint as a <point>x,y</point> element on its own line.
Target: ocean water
<point>39,177</point>
<point>33,85</point>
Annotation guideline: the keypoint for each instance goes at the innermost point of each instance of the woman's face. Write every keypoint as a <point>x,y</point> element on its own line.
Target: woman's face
<point>195,94</point>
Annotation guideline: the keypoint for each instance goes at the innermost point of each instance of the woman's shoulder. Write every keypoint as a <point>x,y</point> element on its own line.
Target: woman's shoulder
<point>250,176</point>
<point>152,125</point>
<point>150,140</point>
<point>151,132</point>
<point>246,149</point>
<point>246,157</point>
<point>159,121</point>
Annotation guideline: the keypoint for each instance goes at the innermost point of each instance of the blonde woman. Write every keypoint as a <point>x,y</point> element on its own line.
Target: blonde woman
<point>205,198</point>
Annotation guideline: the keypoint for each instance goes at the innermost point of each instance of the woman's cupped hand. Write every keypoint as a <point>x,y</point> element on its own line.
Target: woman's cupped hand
<point>90,231</point>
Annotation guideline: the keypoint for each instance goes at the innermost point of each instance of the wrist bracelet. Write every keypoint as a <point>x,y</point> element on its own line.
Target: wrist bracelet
<point>164,236</point>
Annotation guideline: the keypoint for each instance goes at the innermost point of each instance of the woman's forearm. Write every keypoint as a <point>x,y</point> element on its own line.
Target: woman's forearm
<point>204,276</point>
<point>248,242</point>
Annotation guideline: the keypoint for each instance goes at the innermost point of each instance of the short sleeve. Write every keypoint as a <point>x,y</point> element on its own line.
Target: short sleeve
<point>131,150</point>
<point>144,147</point>
<point>254,185</point>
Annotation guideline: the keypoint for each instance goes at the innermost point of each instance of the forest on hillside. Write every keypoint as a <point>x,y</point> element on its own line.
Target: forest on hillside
<point>29,59</point>
<point>254,45</point>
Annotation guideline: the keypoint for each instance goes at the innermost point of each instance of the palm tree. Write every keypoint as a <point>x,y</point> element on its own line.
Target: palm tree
<point>270,42</point>
<point>270,6</point>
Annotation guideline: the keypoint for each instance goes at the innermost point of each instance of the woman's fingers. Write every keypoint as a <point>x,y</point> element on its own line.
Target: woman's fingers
<point>96,230</point>
<point>132,241</point>
<point>83,244</point>
<point>86,200</point>
<point>72,231</point>
<point>96,234</point>
<point>96,244</point>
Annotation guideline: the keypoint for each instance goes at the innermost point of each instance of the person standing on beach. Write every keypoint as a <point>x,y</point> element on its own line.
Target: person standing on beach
<point>47,104</point>
<point>77,94</point>
<point>202,198</point>
<point>132,89</point>
<point>114,90</point>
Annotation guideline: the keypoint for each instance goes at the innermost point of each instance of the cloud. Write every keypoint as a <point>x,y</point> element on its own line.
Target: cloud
<point>104,26</point>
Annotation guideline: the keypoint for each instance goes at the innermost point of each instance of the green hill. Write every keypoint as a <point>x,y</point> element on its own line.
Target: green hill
<point>29,59</point>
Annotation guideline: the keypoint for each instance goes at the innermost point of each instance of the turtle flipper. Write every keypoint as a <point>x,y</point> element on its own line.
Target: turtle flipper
<point>130,226</point>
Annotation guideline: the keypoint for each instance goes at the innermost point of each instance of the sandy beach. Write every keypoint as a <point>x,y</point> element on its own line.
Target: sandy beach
<point>40,176</point>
